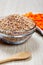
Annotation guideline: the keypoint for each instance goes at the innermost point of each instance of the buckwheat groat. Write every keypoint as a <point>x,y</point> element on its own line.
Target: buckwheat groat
<point>15,23</point>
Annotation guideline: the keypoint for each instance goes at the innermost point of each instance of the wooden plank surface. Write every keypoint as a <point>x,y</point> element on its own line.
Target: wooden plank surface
<point>32,45</point>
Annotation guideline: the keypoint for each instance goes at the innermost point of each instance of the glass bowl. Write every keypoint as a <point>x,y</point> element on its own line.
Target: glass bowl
<point>17,37</point>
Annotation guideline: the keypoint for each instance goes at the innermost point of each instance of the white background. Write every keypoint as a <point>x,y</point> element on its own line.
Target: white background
<point>20,6</point>
<point>35,42</point>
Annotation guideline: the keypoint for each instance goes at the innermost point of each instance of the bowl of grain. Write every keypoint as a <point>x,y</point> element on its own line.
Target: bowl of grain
<point>16,29</point>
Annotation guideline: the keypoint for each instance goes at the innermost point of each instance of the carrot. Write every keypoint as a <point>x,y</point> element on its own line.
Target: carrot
<point>38,18</point>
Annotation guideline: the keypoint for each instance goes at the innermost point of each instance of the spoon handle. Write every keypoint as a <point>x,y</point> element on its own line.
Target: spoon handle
<point>10,59</point>
<point>16,57</point>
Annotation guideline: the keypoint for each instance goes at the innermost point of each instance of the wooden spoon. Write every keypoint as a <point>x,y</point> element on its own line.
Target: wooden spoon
<point>16,57</point>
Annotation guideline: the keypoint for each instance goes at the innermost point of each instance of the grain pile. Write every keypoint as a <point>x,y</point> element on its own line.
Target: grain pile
<point>16,23</point>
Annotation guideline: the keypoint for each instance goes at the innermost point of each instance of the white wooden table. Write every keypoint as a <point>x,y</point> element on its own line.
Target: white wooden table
<point>34,44</point>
